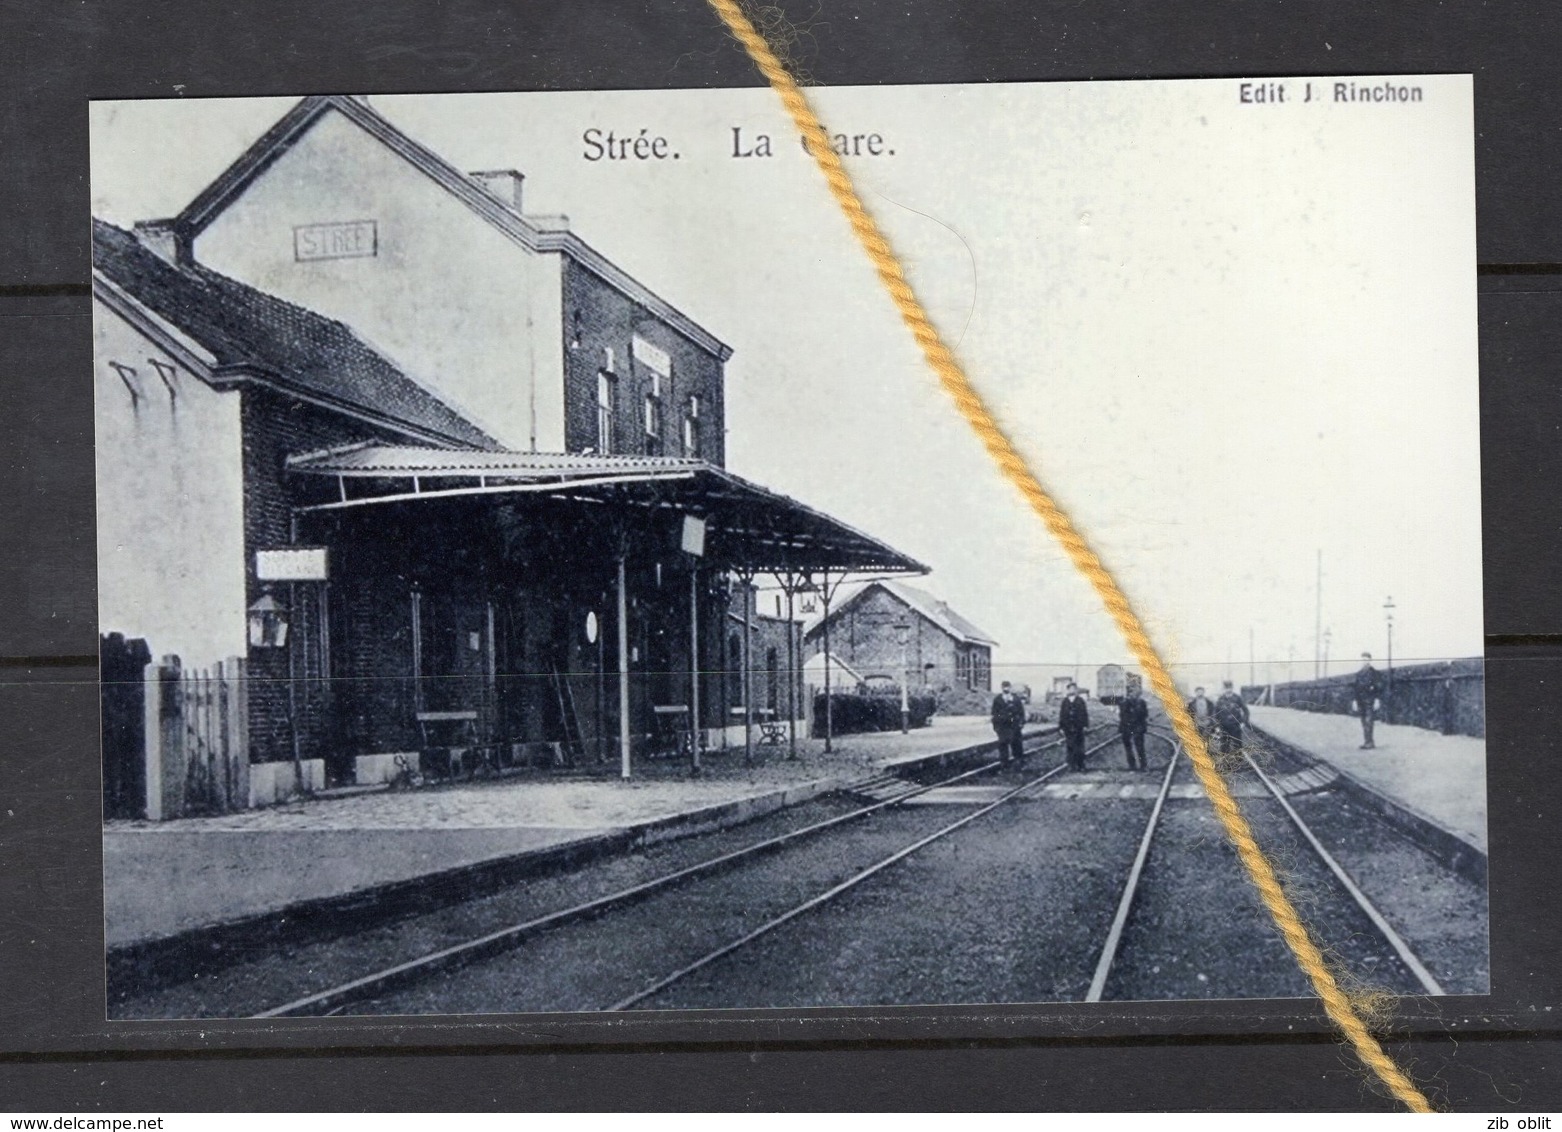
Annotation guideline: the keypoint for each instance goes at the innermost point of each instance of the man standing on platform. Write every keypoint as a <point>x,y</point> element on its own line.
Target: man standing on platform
<point>1231,716</point>
<point>1368,699</point>
<point>1133,720</point>
<point>1008,723</point>
<point>1074,721</point>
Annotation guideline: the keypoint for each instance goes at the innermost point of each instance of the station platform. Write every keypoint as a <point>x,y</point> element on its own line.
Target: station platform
<point>1439,778</point>
<point>167,879</point>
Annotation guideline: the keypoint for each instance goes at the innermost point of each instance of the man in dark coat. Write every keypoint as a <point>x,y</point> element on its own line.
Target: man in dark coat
<point>1231,716</point>
<point>1202,709</point>
<point>1074,721</point>
<point>1133,720</point>
<point>1367,693</point>
<point>1008,723</point>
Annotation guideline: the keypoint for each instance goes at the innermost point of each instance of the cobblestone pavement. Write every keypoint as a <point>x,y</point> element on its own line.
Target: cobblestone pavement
<point>166,877</point>
<point>592,797</point>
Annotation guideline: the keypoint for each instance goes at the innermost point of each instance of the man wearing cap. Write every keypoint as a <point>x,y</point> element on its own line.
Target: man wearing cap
<point>1202,709</point>
<point>1009,722</point>
<point>1368,696</point>
<point>1074,721</point>
<point>1231,716</point>
<point>1133,720</point>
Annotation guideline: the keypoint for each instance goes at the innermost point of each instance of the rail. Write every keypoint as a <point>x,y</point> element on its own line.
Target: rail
<point>1125,903</point>
<point>513,935</point>
<point>1109,951</point>
<point>844,886</point>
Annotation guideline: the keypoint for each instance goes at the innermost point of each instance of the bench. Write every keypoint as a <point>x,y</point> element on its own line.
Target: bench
<point>772,730</point>
<point>457,758</point>
<point>672,728</point>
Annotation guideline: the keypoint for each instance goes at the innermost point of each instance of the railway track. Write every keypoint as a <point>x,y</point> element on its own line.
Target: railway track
<point>843,887</point>
<point>1324,909</point>
<point>837,911</point>
<point>427,966</point>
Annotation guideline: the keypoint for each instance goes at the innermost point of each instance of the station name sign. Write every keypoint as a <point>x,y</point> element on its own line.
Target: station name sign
<point>346,239</point>
<point>291,564</point>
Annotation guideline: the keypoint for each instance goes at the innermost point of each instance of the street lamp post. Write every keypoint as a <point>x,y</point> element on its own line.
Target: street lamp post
<point>903,633</point>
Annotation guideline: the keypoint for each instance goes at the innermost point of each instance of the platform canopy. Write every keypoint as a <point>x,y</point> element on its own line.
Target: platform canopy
<point>747,527</point>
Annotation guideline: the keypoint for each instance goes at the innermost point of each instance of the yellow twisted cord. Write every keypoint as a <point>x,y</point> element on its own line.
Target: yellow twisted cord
<point>1336,1003</point>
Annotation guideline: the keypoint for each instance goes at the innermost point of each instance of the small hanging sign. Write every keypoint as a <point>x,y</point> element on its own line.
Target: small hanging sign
<point>291,564</point>
<point>694,536</point>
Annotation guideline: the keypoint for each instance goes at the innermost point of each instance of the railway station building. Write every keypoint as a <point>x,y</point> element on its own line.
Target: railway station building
<point>438,472</point>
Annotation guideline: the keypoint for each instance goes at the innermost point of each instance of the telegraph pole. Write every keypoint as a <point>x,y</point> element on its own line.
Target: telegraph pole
<point>1388,616</point>
<point>1388,692</point>
<point>1318,620</point>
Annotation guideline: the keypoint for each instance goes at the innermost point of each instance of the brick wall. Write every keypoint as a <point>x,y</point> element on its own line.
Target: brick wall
<point>598,318</point>
<point>768,662</point>
<point>864,636</point>
<point>275,427</point>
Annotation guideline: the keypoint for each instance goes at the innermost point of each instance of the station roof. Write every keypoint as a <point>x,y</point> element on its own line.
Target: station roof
<point>749,527</point>
<point>252,334</point>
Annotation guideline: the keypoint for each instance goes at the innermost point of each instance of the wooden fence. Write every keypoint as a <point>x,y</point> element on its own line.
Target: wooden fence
<point>1446,696</point>
<point>188,753</point>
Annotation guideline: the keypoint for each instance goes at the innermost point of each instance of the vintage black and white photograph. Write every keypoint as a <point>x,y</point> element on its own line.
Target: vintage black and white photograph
<point>539,572</point>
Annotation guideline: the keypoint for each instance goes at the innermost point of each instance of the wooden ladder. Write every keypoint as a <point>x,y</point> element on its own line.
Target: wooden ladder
<point>574,741</point>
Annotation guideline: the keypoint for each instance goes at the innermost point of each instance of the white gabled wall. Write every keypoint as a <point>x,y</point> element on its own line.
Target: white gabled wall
<point>170,501</point>
<point>457,304</point>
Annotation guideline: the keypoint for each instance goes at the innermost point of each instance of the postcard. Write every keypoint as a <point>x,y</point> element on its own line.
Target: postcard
<point>538,570</point>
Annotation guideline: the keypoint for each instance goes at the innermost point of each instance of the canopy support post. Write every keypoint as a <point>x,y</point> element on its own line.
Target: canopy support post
<point>829,661</point>
<point>791,671</point>
<point>748,669</point>
<point>623,666</point>
<point>694,668</point>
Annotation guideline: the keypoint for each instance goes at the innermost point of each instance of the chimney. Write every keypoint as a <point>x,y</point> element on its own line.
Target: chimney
<point>502,183</point>
<point>162,239</point>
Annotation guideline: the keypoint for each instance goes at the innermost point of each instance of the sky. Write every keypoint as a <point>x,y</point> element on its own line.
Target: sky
<point>1228,335</point>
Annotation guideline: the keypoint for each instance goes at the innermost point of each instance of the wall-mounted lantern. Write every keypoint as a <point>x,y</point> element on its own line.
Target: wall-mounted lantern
<point>268,623</point>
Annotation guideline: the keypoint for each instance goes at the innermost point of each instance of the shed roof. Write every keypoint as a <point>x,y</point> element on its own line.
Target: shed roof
<point>251,333</point>
<point>749,527</point>
<point>919,600</point>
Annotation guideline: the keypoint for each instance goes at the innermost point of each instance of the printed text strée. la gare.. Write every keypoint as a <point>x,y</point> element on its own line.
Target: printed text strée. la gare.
<point>641,145</point>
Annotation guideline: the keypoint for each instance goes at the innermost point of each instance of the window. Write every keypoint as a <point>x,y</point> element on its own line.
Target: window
<point>607,397</point>
<point>691,428</point>
<point>659,364</point>
<point>653,414</point>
